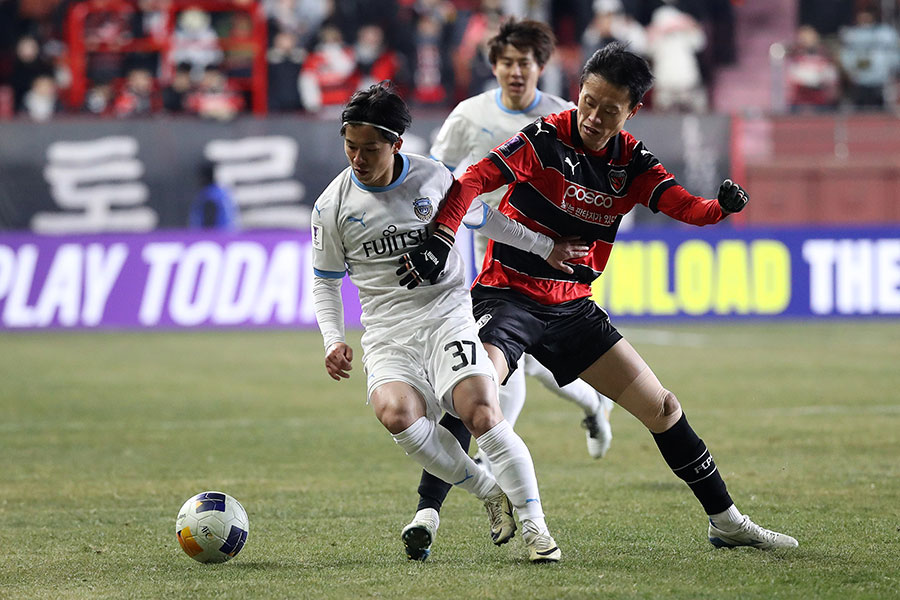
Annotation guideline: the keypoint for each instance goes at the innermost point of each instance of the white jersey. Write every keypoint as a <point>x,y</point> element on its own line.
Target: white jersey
<point>364,230</point>
<point>481,123</point>
<point>478,125</point>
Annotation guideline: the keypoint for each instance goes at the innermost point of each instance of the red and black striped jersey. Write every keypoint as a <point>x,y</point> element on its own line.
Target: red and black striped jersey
<point>560,188</point>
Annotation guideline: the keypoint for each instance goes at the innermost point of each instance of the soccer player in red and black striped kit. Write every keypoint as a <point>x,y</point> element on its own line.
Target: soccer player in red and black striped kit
<point>576,173</point>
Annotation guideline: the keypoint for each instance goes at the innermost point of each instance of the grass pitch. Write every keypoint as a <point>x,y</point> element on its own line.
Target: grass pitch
<point>103,437</point>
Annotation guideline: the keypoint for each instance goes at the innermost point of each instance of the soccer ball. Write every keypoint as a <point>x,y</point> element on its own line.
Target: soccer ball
<point>212,527</point>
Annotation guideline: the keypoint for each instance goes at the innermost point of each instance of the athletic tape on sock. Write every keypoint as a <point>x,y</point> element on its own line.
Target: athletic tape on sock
<point>645,398</point>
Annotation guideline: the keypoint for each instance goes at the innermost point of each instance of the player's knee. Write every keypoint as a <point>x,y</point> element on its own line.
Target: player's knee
<point>655,406</point>
<point>475,401</point>
<point>394,413</point>
<point>669,414</point>
<point>483,418</point>
<point>479,411</point>
<point>665,411</point>
<point>394,420</point>
<point>670,405</point>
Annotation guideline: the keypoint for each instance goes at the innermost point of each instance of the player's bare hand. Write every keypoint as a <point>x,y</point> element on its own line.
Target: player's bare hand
<point>566,249</point>
<point>337,361</point>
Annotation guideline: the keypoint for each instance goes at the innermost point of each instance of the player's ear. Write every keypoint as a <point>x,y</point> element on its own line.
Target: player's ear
<point>634,110</point>
<point>397,144</point>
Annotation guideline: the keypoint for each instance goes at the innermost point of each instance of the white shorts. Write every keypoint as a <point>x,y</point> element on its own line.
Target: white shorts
<point>432,361</point>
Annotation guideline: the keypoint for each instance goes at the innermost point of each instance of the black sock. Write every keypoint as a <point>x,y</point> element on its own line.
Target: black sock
<point>433,490</point>
<point>689,459</point>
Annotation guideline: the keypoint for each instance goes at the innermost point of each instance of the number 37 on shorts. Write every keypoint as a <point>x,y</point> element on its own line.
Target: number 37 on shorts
<point>455,354</point>
<point>463,352</point>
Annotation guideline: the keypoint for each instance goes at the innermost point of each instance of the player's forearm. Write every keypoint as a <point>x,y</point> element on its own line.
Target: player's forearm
<point>491,223</point>
<point>329,309</point>
<point>481,177</point>
<point>679,204</point>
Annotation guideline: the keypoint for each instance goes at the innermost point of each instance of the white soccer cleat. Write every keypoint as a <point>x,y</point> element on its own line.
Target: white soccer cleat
<point>419,534</point>
<point>599,431</point>
<point>749,533</point>
<point>503,525</point>
<point>542,547</point>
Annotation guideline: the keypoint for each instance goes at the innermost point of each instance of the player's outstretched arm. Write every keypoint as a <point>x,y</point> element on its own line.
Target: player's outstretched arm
<point>338,359</point>
<point>492,223</point>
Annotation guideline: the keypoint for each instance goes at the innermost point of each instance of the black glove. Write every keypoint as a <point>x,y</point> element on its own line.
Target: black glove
<point>732,197</point>
<point>583,273</point>
<point>426,261</point>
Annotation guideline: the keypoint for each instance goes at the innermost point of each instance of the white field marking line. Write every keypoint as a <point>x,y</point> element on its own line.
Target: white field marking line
<point>553,416</point>
<point>802,411</point>
<point>663,337</point>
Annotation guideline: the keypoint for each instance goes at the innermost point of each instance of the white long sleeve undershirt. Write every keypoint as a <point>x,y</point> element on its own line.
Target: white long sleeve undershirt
<point>329,309</point>
<point>492,223</point>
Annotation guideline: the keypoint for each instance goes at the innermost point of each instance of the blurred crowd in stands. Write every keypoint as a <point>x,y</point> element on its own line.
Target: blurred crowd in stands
<point>851,64</point>
<point>147,57</point>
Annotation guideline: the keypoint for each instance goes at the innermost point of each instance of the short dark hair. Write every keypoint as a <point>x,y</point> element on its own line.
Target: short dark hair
<point>523,35</point>
<point>380,104</point>
<point>621,67</point>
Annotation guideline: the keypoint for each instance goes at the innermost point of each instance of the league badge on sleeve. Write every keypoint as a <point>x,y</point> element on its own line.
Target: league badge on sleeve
<point>423,208</point>
<point>317,237</point>
<point>511,146</point>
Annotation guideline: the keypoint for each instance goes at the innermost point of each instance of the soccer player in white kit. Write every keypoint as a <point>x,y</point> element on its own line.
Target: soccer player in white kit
<point>518,54</point>
<point>422,355</point>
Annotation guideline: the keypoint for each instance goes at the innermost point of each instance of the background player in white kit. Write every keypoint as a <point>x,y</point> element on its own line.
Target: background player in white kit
<point>518,54</point>
<point>422,355</point>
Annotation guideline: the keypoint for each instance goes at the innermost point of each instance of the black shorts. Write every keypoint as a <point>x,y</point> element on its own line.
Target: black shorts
<point>566,338</point>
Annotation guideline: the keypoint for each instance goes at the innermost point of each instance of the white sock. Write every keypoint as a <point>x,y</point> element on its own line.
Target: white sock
<point>512,395</point>
<point>535,526</point>
<point>578,391</point>
<point>513,468</point>
<point>429,514</point>
<point>728,520</point>
<point>435,448</point>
